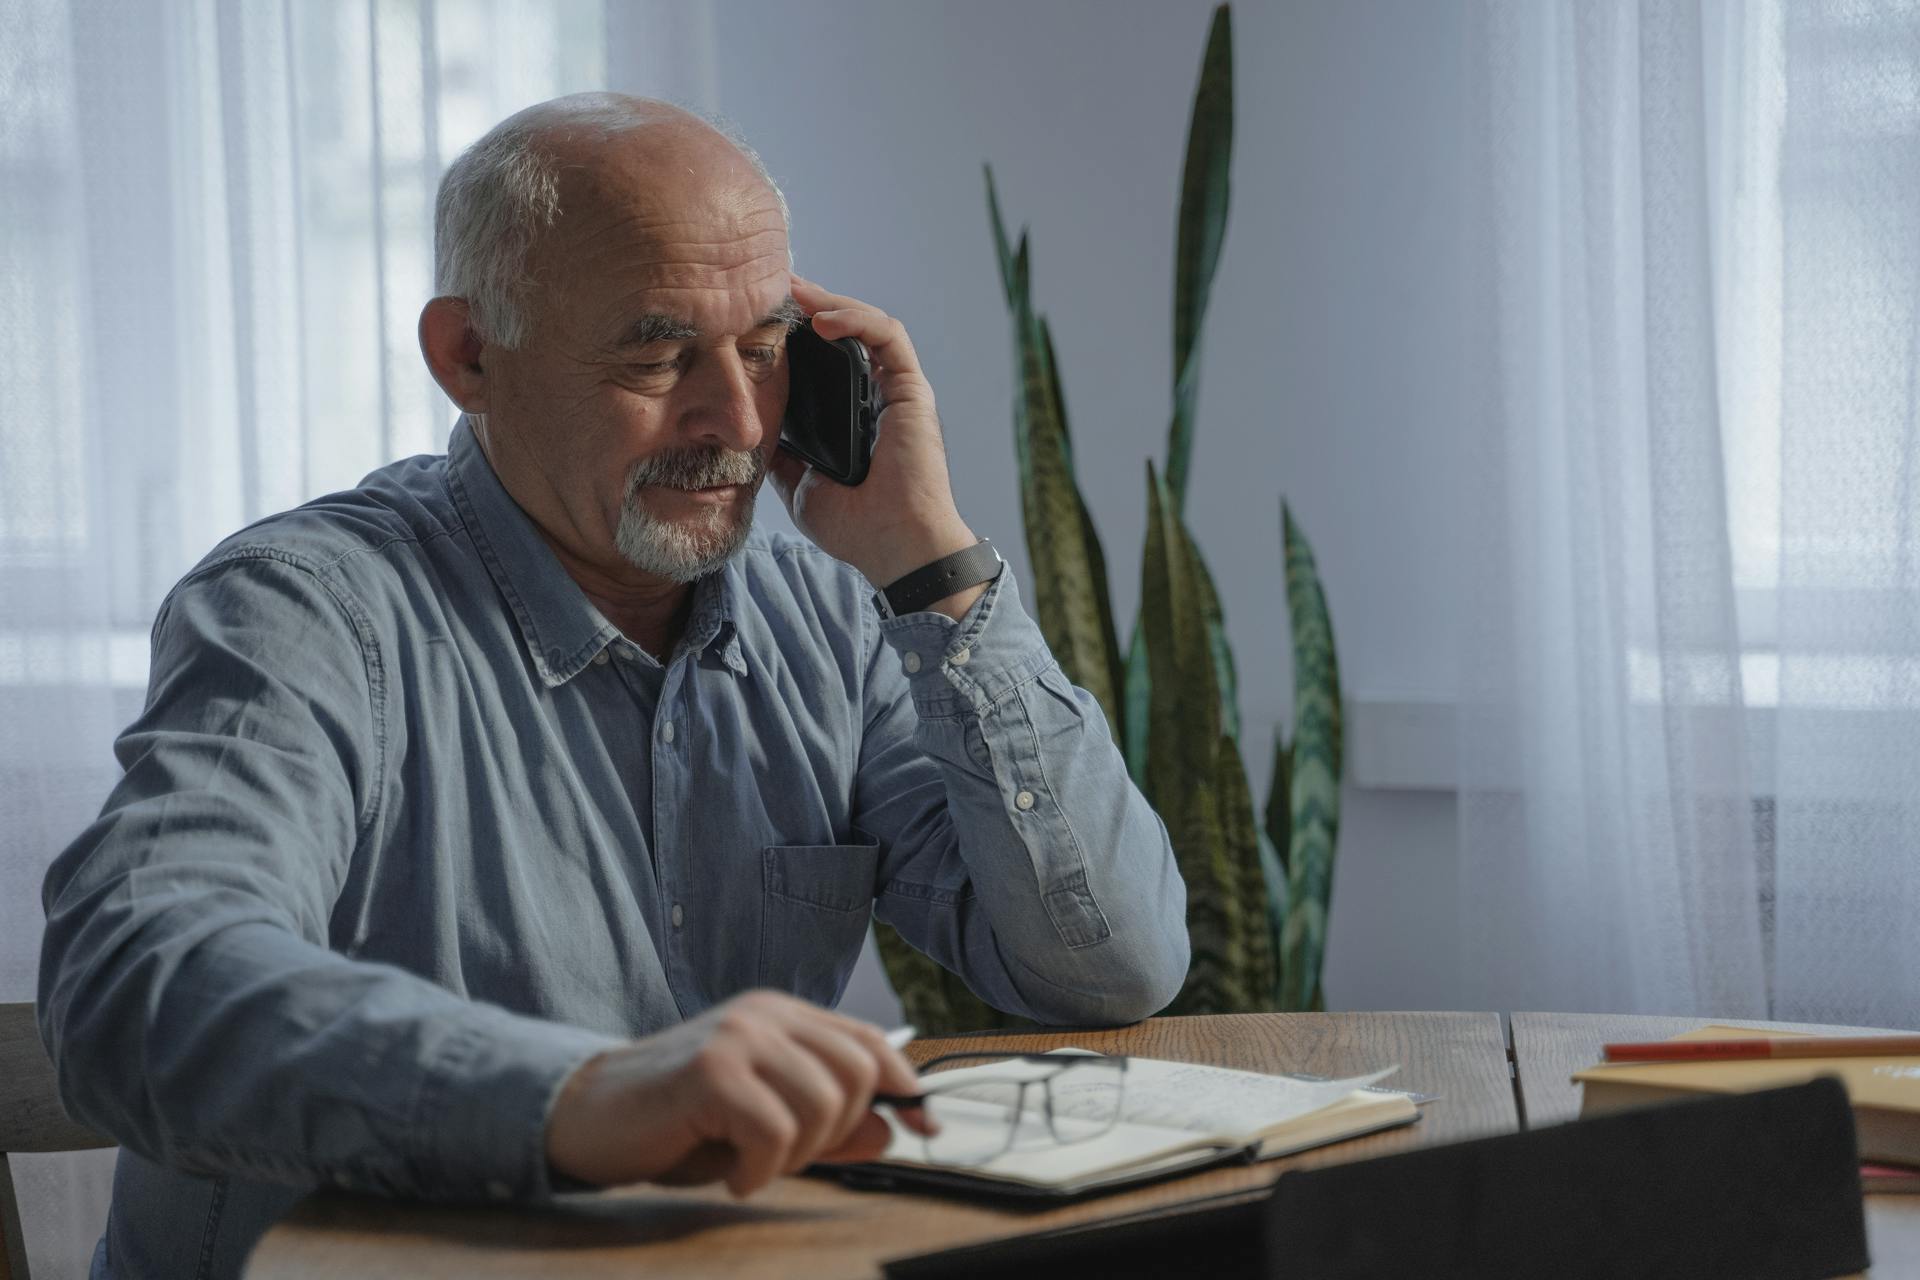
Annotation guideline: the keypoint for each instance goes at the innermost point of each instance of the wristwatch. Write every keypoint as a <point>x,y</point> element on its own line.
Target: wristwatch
<point>969,568</point>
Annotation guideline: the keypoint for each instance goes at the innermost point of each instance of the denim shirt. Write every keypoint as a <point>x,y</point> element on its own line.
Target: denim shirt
<point>409,830</point>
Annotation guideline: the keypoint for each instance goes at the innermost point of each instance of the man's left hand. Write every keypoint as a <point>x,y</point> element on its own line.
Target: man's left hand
<point>903,515</point>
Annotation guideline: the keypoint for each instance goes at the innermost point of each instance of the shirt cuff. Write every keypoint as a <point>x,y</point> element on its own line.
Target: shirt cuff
<point>973,663</point>
<point>483,1110</point>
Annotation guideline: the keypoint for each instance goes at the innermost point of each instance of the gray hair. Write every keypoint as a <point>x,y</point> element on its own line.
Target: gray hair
<point>503,191</point>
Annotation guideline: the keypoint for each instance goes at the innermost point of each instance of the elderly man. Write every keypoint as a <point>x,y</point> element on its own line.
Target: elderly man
<point>506,823</point>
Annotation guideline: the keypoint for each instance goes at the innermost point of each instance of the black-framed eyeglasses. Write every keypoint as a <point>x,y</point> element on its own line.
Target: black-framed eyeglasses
<point>1042,1099</point>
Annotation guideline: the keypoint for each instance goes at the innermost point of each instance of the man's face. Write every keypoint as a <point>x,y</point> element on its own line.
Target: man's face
<point>639,414</point>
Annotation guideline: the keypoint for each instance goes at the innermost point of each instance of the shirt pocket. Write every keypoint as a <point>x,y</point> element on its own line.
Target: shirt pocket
<point>816,902</point>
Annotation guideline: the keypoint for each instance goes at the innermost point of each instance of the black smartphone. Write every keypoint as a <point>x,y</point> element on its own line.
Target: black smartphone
<point>832,404</point>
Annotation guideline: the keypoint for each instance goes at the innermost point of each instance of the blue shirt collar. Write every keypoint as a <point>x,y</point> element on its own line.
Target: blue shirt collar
<point>560,627</point>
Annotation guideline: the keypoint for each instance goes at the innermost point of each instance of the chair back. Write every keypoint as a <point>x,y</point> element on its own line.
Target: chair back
<point>31,1120</point>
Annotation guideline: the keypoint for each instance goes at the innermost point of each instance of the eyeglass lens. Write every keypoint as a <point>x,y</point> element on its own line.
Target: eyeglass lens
<point>1024,1109</point>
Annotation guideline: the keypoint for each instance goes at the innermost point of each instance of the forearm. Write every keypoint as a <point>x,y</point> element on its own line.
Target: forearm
<point>197,1026</point>
<point>192,1007</point>
<point>1068,906</point>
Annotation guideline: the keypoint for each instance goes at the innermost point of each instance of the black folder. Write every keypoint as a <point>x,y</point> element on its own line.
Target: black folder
<point>1764,1186</point>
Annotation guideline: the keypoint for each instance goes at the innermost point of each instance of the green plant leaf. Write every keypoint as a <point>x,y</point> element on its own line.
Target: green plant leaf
<point>1279,826</point>
<point>1259,948</point>
<point>1067,564</point>
<point>1218,647</point>
<point>933,999</point>
<point>1139,686</point>
<point>1138,680</point>
<point>1316,764</point>
<point>1274,874</point>
<point>1202,229</point>
<point>1001,252</point>
<point>1208,815</point>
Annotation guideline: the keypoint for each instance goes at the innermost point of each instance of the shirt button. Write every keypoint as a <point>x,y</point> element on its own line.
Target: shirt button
<point>600,658</point>
<point>679,915</point>
<point>627,652</point>
<point>911,662</point>
<point>959,659</point>
<point>1023,801</point>
<point>666,731</point>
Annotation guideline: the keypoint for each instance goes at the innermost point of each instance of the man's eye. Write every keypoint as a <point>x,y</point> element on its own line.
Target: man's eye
<point>762,355</point>
<point>655,369</point>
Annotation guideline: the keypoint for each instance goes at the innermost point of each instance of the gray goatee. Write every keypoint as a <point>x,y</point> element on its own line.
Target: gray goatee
<point>682,551</point>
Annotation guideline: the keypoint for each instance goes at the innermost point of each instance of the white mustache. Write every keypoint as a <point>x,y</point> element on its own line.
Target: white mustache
<point>698,469</point>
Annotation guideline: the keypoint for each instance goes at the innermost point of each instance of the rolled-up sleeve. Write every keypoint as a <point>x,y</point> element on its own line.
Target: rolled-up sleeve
<point>1016,850</point>
<point>188,997</point>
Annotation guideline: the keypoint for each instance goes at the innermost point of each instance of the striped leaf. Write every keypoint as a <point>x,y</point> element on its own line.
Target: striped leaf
<point>1279,828</point>
<point>1002,253</point>
<point>1139,685</point>
<point>1276,836</point>
<point>1194,777</point>
<point>1067,564</point>
<point>1274,875</point>
<point>1202,229</point>
<point>1315,767</point>
<point>1219,649</point>
<point>1259,948</point>
<point>931,998</point>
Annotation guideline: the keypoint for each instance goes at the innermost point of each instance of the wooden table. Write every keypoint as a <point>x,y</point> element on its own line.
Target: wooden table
<point>810,1227</point>
<point>803,1226</point>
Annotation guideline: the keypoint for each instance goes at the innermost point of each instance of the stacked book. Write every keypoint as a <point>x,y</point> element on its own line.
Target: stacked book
<point>1883,1087</point>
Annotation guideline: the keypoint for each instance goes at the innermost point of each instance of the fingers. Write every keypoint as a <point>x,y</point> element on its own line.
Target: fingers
<point>812,297</point>
<point>855,1069</point>
<point>793,1082</point>
<point>838,316</point>
<point>760,1126</point>
<point>869,1140</point>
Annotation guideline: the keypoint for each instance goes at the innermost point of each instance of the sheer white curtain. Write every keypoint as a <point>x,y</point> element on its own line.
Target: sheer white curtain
<point>1690,747</point>
<point>215,237</point>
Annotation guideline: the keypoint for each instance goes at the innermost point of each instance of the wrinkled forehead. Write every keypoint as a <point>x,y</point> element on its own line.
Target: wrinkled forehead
<point>669,224</point>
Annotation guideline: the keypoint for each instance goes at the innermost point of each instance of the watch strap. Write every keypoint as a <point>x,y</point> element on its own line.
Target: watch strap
<point>969,568</point>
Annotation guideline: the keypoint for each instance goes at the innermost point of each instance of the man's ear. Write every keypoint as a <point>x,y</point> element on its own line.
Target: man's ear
<point>452,350</point>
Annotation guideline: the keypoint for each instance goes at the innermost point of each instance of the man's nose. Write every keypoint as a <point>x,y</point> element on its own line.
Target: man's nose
<point>724,411</point>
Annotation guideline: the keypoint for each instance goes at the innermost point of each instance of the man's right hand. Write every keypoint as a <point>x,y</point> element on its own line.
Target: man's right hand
<point>760,1086</point>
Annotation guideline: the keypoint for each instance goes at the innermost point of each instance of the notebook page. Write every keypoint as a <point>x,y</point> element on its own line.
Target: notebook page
<point>1180,1095</point>
<point>1036,1156</point>
<point>1213,1100</point>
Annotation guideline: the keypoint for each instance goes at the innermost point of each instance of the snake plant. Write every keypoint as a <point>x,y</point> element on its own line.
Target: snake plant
<point>1257,894</point>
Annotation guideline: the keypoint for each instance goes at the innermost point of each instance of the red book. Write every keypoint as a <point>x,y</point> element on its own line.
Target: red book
<point>1897,1179</point>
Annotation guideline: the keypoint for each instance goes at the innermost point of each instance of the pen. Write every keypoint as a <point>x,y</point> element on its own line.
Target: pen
<point>898,1039</point>
<point>1781,1047</point>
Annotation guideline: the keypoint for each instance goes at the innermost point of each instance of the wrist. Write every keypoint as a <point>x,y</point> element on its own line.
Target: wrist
<point>894,557</point>
<point>949,584</point>
<point>956,605</point>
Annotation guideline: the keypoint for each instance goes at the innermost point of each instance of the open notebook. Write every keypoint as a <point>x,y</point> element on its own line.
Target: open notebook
<point>1174,1117</point>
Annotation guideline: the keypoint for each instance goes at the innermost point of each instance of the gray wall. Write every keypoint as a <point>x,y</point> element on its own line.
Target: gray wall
<point>1332,347</point>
